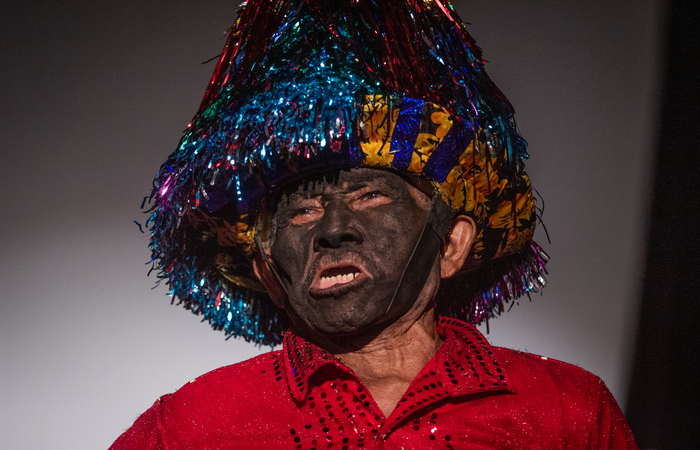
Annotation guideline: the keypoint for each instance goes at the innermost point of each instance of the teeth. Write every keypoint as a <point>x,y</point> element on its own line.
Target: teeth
<point>339,278</point>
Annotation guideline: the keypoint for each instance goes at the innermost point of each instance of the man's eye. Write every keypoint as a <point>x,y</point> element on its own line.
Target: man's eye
<point>372,195</point>
<point>302,212</point>
<point>370,199</point>
<point>303,215</point>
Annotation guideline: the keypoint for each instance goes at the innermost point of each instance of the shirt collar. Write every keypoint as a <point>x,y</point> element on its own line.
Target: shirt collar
<point>465,364</point>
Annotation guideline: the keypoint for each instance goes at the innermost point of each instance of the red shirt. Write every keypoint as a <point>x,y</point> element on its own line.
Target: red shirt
<point>470,395</point>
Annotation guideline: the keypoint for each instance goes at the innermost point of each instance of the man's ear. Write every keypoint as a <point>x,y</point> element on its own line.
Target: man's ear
<point>269,281</point>
<point>457,245</point>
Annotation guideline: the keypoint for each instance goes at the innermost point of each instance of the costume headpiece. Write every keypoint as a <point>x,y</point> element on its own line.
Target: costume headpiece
<point>307,86</point>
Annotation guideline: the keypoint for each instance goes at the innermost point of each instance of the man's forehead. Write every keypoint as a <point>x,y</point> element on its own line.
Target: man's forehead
<point>345,181</point>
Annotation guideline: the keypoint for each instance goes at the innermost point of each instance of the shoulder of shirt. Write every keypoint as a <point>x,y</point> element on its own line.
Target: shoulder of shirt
<point>533,373</point>
<point>230,396</point>
<point>579,397</point>
<point>260,362</point>
<point>522,368</point>
<point>234,378</point>
<point>520,359</point>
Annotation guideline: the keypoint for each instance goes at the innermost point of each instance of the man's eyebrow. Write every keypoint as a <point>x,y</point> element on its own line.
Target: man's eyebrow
<point>356,185</point>
<point>352,185</point>
<point>349,186</point>
<point>304,195</point>
<point>297,196</point>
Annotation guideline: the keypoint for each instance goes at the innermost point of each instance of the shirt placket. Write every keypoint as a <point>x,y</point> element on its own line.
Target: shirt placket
<point>427,389</point>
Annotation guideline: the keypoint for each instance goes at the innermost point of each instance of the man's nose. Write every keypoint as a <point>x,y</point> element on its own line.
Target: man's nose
<point>337,227</point>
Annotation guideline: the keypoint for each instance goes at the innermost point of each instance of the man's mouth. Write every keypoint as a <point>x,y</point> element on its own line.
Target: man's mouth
<point>337,275</point>
<point>332,280</point>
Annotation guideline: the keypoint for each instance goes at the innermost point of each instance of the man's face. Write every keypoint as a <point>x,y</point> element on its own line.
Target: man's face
<point>341,246</point>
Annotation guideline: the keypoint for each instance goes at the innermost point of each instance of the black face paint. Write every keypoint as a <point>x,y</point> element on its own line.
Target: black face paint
<point>341,248</point>
<point>426,250</point>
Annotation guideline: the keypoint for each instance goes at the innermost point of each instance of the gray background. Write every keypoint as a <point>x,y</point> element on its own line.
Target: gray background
<point>95,95</point>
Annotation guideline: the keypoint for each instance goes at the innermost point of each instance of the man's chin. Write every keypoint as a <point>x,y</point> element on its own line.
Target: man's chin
<point>344,310</point>
<point>360,327</point>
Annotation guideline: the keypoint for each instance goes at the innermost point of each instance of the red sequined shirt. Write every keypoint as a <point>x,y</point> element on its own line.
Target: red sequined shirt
<point>470,396</point>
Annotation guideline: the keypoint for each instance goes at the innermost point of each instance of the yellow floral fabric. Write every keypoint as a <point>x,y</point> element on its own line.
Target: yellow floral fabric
<point>478,184</point>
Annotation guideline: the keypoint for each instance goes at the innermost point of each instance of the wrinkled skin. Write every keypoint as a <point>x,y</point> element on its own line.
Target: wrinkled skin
<point>360,223</point>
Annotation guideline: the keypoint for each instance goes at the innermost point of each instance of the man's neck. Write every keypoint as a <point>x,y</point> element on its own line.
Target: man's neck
<point>389,363</point>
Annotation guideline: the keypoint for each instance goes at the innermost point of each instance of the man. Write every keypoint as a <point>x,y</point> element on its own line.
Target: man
<point>352,172</point>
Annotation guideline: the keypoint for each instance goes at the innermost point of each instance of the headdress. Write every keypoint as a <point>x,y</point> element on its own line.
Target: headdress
<point>304,86</point>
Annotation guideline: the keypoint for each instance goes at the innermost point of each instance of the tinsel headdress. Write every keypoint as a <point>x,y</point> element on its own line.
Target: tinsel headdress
<point>304,86</point>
